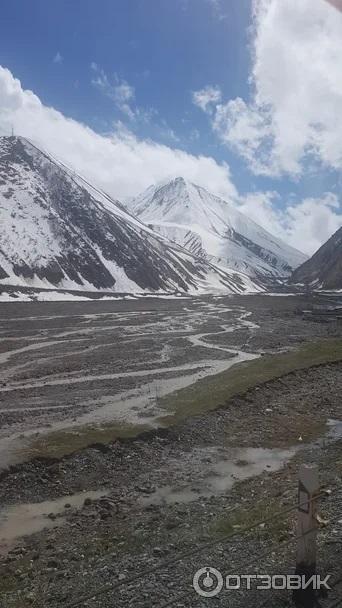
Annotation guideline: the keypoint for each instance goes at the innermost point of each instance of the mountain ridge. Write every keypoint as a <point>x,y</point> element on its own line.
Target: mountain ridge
<point>324,269</point>
<point>200,221</point>
<point>58,229</point>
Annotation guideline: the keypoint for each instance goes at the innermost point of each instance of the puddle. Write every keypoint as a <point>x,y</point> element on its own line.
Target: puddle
<point>18,521</point>
<point>237,465</point>
<point>247,463</point>
<point>128,407</point>
<point>334,432</point>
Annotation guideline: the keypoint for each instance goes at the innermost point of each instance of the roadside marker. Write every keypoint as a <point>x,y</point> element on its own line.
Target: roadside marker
<point>307,526</point>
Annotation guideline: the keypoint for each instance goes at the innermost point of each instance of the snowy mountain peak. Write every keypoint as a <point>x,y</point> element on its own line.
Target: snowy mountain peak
<point>59,230</point>
<point>204,223</point>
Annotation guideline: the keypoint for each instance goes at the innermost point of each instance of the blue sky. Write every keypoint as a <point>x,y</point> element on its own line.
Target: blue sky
<point>164,49</point>
<point>133,66</point>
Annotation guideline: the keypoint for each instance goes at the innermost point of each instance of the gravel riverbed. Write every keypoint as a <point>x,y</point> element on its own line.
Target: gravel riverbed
<point>73,524</point>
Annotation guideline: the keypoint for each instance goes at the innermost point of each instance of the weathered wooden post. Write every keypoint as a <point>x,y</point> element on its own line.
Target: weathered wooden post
<point>307,535</point>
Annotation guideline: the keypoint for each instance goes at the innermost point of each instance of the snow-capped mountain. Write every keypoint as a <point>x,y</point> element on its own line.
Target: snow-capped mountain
<point>213,228</point>
<point>324,269</point>
<point>58,230</point>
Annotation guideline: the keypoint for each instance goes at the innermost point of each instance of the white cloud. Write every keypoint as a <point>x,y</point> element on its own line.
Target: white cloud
<point>207,98</point>
<point>305,224</point>
<point>246,129</point>
<point>58,58</point>
<point>120,163</point>
<point>295,111</point>
<point>122,93</point>
<point>168,133</point>
<point>124,165</point>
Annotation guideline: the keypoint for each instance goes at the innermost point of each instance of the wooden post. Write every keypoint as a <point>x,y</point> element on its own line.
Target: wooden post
<point>307,534</point>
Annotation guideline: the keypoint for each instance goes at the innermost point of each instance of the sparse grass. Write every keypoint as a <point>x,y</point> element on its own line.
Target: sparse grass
<point>205,395</point>
<point>230,523</point>
<point>127,540</point>
<point>10,583</point>
<point>61,443</point>
<point>277,430</point>
<point>212,392</point>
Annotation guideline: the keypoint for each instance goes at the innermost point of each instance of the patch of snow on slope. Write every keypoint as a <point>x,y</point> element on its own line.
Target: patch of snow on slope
<point>122,283</point>
<point>178,207</point>
<point>59,231</point>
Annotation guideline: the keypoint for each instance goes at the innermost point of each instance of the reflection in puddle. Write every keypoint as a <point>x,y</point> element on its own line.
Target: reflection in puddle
<point>248,463</point>
<point>334,431</point>
<point>21,520</point>
<point>238,465</point>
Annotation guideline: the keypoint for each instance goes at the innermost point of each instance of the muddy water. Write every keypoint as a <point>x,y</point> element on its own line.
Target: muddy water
<point>25,519</point>
<point>133,405</point>
<point>237,465</point>
<point>136,406</point>
<point>213,471</point>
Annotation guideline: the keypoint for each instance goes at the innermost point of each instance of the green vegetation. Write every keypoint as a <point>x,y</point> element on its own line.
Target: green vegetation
<point>212,392</point>
<point>205,395</point>
<point>10,584</point>
<point>64,442</point>
<point>279,431</point>
<point>232,522</point>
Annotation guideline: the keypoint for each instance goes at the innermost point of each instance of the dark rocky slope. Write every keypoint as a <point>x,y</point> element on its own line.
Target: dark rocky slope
<point>57,229</point>
<point>324,269</point>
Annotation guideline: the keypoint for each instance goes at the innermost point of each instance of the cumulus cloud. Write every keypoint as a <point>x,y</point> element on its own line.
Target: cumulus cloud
<point>294,114</point>
<point>120,163</point>
<point>124,165</point>
<point>246,129</point>
<point>303,224</point>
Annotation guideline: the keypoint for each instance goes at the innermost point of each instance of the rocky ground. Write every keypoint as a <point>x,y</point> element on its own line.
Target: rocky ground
<point>165,502</point>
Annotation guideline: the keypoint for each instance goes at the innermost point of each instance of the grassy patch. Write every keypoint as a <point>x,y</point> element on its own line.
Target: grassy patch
<point>230,523</point>
<point>127,541</point>
<point>10,584</point>
<point>209,393</point>
<point>61,443</point>
<point>205,395</point>
<point>277,430</point>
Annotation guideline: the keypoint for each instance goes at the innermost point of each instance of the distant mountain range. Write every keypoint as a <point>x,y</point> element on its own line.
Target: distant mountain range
<point>324,269</point>
<point>214,229</point>
<point>58,230</point>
